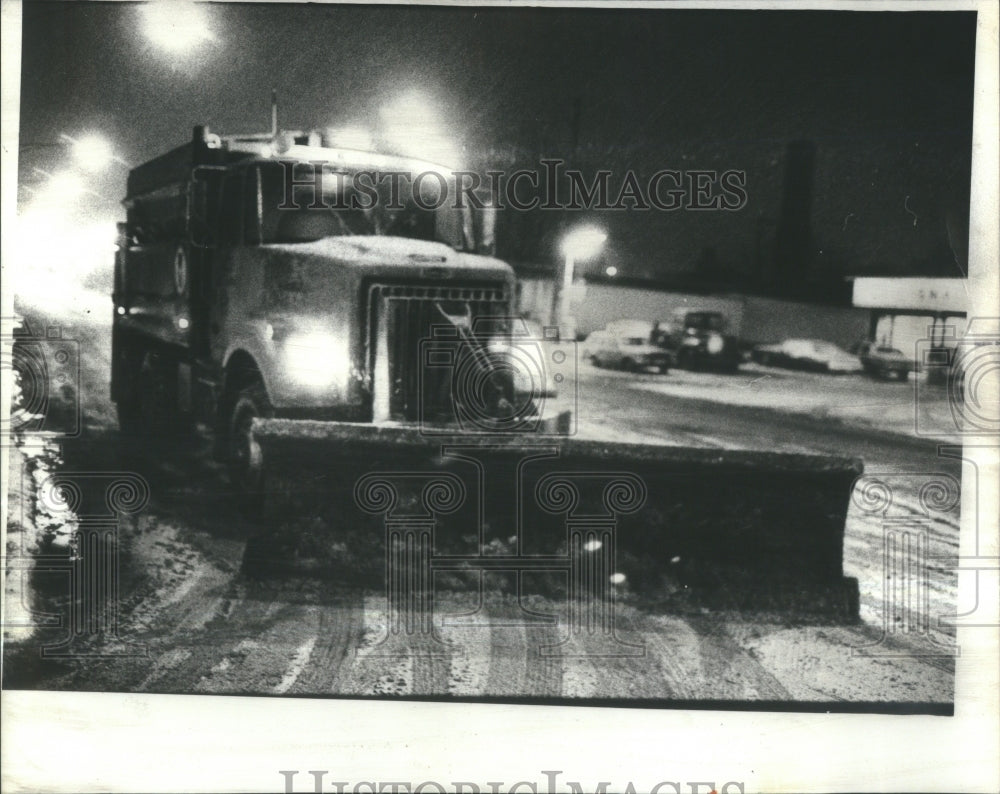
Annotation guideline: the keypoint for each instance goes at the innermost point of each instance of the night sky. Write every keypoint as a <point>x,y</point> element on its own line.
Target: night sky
<point>885,98</point>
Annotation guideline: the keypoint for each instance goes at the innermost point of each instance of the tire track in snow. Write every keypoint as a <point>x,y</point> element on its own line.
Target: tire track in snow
<point>338,634</point>
<point>515,639</point>
<point>299,662</point>
<point>738,675</point>
<point>666,664</point>
<point>468,635</point>
<point>221,638</point>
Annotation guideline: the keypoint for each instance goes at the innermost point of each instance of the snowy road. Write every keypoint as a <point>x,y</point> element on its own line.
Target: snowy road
<point>193,623</point>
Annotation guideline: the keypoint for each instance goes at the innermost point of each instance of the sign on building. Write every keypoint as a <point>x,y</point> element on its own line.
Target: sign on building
<point>912,295</point>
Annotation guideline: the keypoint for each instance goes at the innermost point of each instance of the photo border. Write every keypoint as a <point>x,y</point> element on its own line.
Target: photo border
<point>62,741</point>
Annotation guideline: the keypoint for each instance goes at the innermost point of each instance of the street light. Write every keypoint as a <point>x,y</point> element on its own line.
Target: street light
<point>411,124</point>
<point>59,190</point>
<point>583,242</point>
<point>66,185</point>
<point>92,152</point>
<point>176,25</point>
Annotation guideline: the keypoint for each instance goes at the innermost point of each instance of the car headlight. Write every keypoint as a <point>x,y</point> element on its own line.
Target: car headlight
<point>316,359</point>
<point>715,343</point>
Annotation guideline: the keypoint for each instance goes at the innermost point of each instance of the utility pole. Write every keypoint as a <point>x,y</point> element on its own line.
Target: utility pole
<point>563,278</point>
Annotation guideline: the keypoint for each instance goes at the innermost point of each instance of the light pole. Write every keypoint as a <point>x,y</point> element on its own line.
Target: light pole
<point>581,243</point>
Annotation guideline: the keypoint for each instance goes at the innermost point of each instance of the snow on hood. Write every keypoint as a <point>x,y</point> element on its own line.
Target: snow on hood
<point>388,251</point>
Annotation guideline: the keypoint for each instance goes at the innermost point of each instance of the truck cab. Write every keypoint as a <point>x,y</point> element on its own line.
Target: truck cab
<point>280,277</point>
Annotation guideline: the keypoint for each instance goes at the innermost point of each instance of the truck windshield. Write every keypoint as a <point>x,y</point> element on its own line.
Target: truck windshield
<point>306,203</point>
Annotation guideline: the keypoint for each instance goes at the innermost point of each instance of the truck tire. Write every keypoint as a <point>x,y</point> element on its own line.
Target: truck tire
<point>244,456</point>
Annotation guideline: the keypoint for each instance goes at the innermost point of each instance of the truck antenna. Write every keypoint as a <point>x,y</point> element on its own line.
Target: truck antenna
<point>274,113</point>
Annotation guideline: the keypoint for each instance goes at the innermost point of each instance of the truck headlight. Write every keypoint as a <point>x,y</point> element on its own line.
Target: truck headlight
<point>715,343</point>
<point>316,359</point>
<point>690,341</point>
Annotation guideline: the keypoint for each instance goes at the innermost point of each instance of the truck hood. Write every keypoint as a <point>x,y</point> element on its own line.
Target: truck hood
<point>380,253</point>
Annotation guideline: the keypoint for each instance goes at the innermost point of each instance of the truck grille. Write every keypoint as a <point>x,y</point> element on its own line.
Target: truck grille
<point>409,339</point>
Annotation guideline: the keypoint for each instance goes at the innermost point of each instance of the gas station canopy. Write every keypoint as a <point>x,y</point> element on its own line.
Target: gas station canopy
<point>912,295</point>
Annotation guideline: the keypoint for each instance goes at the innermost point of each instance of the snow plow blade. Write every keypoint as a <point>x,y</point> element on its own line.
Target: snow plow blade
<point>679,527</point>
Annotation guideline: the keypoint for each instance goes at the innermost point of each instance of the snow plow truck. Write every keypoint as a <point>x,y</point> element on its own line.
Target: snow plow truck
<point>341,326</point>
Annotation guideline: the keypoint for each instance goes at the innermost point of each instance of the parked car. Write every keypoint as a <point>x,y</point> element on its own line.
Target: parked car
<point>697,339</point>
<point>626,345</point>
<point>591,343</point>
<point>883,361</point>
<point>816,355</point>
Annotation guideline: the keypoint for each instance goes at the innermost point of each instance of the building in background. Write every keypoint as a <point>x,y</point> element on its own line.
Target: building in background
<point>755,319</point>
<point>906,312</point>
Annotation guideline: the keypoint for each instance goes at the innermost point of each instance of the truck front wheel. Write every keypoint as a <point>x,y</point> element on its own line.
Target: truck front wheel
<point>246,460</point>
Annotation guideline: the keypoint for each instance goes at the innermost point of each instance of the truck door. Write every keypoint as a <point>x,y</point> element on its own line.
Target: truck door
<point>238,261</point>
<point>203,233</point>
<point>227,235</point>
